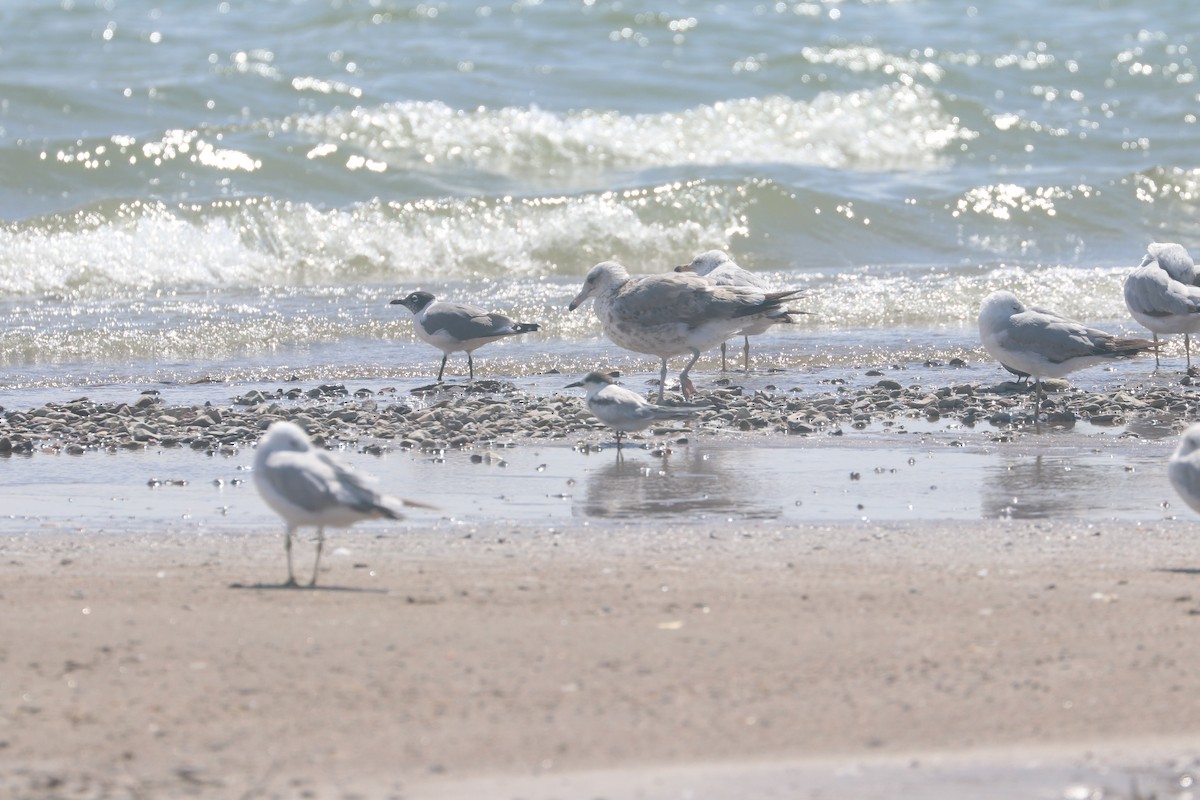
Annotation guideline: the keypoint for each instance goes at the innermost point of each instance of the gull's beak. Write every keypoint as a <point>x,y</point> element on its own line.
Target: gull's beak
<point>396,302</point>
<point>573,385</point>
<point>682,268</point>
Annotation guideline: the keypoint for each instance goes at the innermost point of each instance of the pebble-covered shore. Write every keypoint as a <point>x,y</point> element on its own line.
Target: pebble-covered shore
<point>497,413</point>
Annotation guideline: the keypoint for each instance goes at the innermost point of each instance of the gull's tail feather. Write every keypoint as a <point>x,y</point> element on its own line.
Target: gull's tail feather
<point>772,301</point>
<point>525,327</point>
<point>1117,347</point>
<point>392,507</point>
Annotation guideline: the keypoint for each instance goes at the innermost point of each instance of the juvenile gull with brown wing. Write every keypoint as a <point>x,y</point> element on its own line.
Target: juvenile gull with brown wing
<point>673,313</point>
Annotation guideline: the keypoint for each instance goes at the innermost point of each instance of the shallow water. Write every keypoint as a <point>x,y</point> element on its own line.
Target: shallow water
<point>913,477</point>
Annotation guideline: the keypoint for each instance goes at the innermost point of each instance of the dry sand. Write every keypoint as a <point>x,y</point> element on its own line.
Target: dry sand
<point>1015,659</point>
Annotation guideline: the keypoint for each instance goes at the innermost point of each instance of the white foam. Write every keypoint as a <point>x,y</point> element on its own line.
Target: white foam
<point>897,126</point>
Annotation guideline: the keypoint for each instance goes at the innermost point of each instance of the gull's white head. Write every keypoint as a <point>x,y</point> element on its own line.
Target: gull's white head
<point>706,262</point>
<point>600,278</point>
<point>997,308</point>
<point>1174,259</point>
<point>284,436</point>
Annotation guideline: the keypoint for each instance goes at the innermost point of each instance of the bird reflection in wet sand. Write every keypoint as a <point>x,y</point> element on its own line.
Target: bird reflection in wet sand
<point>682,483</point>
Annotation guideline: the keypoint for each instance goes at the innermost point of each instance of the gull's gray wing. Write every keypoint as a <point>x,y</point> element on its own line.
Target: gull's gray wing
<point>688,298</point>
<point>465,322</point>
<point>303,479</point>
<point>1058,339</point>
<point>1152,291</point>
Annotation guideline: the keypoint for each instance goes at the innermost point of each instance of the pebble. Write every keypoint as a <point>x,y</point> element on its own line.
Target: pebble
<point>496,413</point>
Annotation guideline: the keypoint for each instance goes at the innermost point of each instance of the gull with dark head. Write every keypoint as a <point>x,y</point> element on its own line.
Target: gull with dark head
<point>718,267</point>
<point>457,327</point>
<point>673,313</point>
<point>1045,344</point>
<point>309,487</point>
<point>1162,294</point>
<point>1184,467</point>
<point>625,411</point>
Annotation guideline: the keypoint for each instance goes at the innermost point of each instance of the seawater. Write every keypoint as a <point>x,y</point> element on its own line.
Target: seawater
<point>235,190</point>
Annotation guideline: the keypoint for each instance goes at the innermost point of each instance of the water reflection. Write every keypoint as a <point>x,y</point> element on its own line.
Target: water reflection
<point>683,482</point>
<point>1042,487</point>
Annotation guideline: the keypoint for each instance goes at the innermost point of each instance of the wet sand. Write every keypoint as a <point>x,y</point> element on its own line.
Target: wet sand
<point>512,661</point>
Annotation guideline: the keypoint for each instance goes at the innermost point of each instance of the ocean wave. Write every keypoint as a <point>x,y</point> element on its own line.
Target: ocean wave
<point>896,126</point>
<point>140,246</point>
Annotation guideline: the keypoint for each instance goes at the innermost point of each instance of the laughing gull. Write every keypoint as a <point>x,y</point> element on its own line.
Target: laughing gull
<point>1162,294</point>
<point>718,267</point>
<point>1184,467</point>
<point>673,313</point>
<point>1045,344</point>
<point>625,411</point>
<point>309,487</point>
<point>455,327</point>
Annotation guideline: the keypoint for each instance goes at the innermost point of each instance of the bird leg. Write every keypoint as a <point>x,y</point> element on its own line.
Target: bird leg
<point>685,383</point>
<point>746,354</point>
<point>1155,335</point>
<point>287,545</point>
<point>619,440</point>
<point>662,380</point>
<point>471,366</point>
<point>1187,348</point>
<point>443,367</point>
<point>317,562</point>
<point>1037,407</point>
<point>723,368</point>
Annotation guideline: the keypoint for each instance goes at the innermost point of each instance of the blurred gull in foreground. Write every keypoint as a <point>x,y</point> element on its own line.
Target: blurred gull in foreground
<point>673,313</point>
<point>1045,344</point>
<point>455,327</point>
<point>718,267</point>
<point>623,410</point>
<point>309,487</point>
<point>1184,467</point>
<point>1162,295</point>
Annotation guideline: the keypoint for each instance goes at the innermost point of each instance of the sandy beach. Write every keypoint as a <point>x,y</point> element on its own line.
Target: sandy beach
<point>890,660</point>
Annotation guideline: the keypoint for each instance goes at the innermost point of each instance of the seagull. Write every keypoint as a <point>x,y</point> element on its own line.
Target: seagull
<point>307,486</point>
<point>1045,344</point>
<point>1184,467</point>
<point>718,267</point>
<point>1162,294</point>
<point>625,411</point>
<point>673,313</point>
<point>453,327</point>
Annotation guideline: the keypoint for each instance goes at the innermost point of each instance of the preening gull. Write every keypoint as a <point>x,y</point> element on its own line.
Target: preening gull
<point>1184,467</point>
<point>1045,344</point>
<point>309,487</point>
<point>718,267</point>
<point>1162,294</point>
<point>673,313</point>
<point>623,410</point>
<point>457,327</point>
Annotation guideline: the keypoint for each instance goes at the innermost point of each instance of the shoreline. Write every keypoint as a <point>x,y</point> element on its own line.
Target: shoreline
<point>169,664</point>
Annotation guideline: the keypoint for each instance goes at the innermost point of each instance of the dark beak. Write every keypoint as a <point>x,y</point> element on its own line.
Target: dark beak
<point>573,385</point>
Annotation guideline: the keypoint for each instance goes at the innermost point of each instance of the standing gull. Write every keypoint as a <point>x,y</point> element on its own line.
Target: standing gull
<point>1045,344</point>
<point>673,313</point>
<point>307,486</point>
<point>1162,295</point>
<point>718,267</point>
<point>1184,467</point>
<point>454,327</point>
<point>625,411</point>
